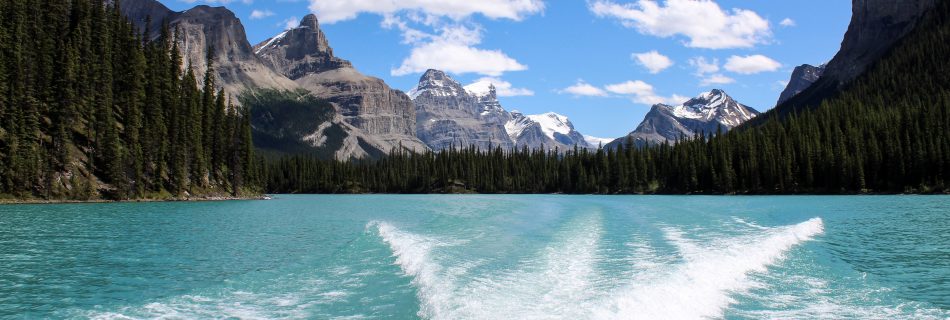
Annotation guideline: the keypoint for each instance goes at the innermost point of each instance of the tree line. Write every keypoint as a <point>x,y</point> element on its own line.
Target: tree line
<point>887,132</point>
<point>91,107</point>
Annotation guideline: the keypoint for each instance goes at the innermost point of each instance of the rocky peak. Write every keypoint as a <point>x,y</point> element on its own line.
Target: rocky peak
<point>300,51</point>
<point>203,27</point>
<point>708,112</point>
<point>436,83</point>
<point>803,77</point>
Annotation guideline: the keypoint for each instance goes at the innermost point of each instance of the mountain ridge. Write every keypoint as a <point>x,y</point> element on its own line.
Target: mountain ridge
<point>707,113</point>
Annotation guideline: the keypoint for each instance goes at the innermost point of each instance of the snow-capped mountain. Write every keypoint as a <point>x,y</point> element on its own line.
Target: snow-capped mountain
<point>706,113</point>
<point>549,130</point>
<point>452,116</point>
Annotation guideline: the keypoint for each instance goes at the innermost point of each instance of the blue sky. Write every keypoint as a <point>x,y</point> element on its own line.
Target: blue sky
<point>602,63</point>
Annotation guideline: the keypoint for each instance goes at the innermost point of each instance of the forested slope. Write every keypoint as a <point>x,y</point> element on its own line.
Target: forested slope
<point>91,110</point>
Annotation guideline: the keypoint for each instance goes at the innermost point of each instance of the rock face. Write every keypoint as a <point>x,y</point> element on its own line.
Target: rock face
<point>452,116</point>
<point>449,116</point>
<point>301,51</point>
<point>876,26</point>
<point>238,69</point>
<point>803,77</point>
<point>705,113</point>
<point>304,55</point>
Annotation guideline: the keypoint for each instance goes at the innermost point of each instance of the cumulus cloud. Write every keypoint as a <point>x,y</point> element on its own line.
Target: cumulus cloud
<point>453,51</point>
<point>704,66</point>
<point>637,91</point>
<point>716,79</point>
<point>331,11</point>
<point>653,61</point>
<point>751,64</point>
<point>290,23</point>
<point>642,93</point>
<point>788,22</point>
<point>261,14</point>
<point>437,41</point>
<point>582,88</point>
<point>702,22</point>
<point>502,88</point>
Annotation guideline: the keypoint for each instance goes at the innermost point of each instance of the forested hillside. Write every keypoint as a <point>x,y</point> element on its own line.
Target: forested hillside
<point>887,132</point>
<point>89,109</point>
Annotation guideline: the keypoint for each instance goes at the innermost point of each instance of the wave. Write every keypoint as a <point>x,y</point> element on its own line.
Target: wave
<point>703,285</point>
<point>559,282</point>
<point>565,282</point>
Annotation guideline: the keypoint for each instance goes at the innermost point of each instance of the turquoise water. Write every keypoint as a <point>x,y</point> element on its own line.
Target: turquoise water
<point>480,257</point>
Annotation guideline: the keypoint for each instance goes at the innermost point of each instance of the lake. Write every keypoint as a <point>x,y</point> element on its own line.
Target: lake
<point>480,257</point>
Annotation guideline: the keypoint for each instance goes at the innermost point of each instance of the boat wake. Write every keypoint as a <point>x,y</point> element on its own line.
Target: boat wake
<point>569,278</point>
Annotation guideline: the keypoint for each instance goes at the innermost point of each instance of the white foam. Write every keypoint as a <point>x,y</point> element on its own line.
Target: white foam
<point>559,283</point>
<point>702,286</point>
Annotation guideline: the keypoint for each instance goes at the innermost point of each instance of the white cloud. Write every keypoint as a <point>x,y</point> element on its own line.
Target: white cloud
<point>788,22</point>
<point>630,87</point>
<point>582,88</point>
<point>290,23</point>
<point>331,11</point>
<point>502,88</point>
<point>703,22</point>
<point>751,64</point>
<point>716,79</point>
<point>637,91</point>
<point>653,61</point>
<point>453,51</point>
<point>703,66</point>
<point>642,93</point>
<point>261,14</point>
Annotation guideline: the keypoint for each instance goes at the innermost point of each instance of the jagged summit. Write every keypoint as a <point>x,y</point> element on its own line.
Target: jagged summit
<point>437,83</point>
<point>450,115</point>
<point>707,112</point>
<point>300,51</point>
<point>203,27</point>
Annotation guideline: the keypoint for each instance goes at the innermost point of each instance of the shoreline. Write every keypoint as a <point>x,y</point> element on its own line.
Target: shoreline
<point>201,199</point>
<point>4,202</point>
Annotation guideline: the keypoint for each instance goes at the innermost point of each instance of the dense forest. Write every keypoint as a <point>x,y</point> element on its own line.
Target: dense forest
<point>92,109</point>
<point>887,132</point>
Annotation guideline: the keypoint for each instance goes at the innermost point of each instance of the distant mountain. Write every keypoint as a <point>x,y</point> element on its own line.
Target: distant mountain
<point>876,26</point>
<point>803,77</point>
<point>304,55</point>
<point>450,115</point>
<point>549,130</point>
<point>707,113</point>
<point>204,27</point>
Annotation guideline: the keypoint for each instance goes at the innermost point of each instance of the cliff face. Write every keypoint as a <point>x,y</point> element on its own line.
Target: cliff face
<point>201,27</point>
<point>298,52</point>
<point>368,104</point>
<point>876,26</point>
<point>449,116</point>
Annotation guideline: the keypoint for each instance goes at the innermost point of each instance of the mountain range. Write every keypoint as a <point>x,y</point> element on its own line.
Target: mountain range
<point>452,116</point>
<point>366,118</point>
